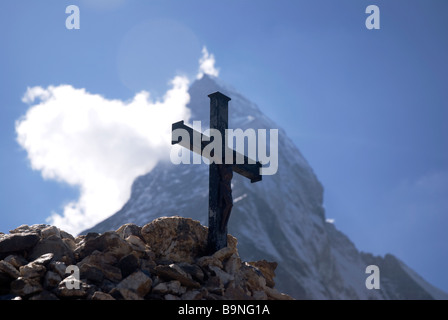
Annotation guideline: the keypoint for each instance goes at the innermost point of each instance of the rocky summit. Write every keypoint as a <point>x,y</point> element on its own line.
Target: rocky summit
<point>165,259</point>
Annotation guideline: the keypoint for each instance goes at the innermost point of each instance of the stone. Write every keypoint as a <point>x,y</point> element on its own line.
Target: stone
<point>171,297</point>
<point>174,272</point>
<point>98,258</point>
<point>129,294</point>
<point>224,253</point>
<point>107,242</point>
<point>66,235</point>
<point>16,260</point>
<point>44,295</point>
<point>50,231</point>
<point>222,275</point>
<point>103,262</point>
<point>98,295</point>
<point>58,267</point>
<point>172,287</point>
<point>64,292</point>
<point>260,295</point>
<point>136,243</point>
<point>254,278</point>
<point>128,264</point>
<point>91,272</point>
<point>175,238</point>
<point>137,282</point>
<point>25,286</point>
<point>112,273</point>
<point>160,288</point>
<point>129,229</point>
<point>70,243</point>
<point>32,270</point>
<point>274,294</point>
<point>18,242</point>
<point>8,269</point>
<point>44,259</point>
<point>193,270</point>
<point>267,269</point>
<point>55,245</point>
<point>233,264</point>
<point>214,285</point>
<point>35,228</point>
<point>207,261</point>
<point>51,279</point>
<point>192,295</point>
<point>236,293</point>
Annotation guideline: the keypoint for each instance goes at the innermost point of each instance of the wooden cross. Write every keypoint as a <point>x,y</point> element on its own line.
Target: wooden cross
<point>220,200</point>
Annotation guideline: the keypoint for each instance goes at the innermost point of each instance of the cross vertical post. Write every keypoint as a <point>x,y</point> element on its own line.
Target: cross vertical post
<point>220,200</point>
<point>220,176</point>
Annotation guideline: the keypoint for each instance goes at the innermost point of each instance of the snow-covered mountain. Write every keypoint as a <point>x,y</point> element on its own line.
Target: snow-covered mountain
<point>280,218</point>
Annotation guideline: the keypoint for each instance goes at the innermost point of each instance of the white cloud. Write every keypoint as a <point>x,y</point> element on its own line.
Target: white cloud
<point>98,144</point>
<point>207,64</point>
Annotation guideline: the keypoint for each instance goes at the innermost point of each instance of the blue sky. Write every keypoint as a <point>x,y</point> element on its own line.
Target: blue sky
<point>367,108</point>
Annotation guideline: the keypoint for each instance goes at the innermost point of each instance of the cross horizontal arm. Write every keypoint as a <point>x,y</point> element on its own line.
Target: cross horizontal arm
<point>247,169</point>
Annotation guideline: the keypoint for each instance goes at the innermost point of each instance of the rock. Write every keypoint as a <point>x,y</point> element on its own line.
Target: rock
<point>90,272</point>
<point>104,262</point>
<point>107,242</point>
<point>50,231</point>
<point>17,242</point>
<point>55,245</point>
<point>137,282</point>
<point>214,285</point>
<point>255,279</point>
<point>32,270</point>
<point>267,269</point>
<point>58,267</point>
<point>192,295</point>
<point>224,253</point>
<point>274,294</point>
<point>66,235</point>
<point>51,279</point>
<point>175,238</point>
<point>112,273</point>
<point>222,275</point>
<point>161,288</point>
<point>8,269</point>
<point>129,229</point>
<point>98,295</point>
<point>172,287</point>
<point>174,272</point>
<point>136,243</point>
<point>65,291</point>
<point>163,260</point>
<point>233,264</point>
<point>260,295</point>
<point>25,286</point>
<point>193,270</point>
<point>69,243</point>
<point>237,293</point>
<point>129,295</point>
<point>35,228</point>
<point>44,295</point>
<point>44,259</point>
<point>16,260</point>
<point>209,261</point>
<point>36,268</point>
<point>128,264</point>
